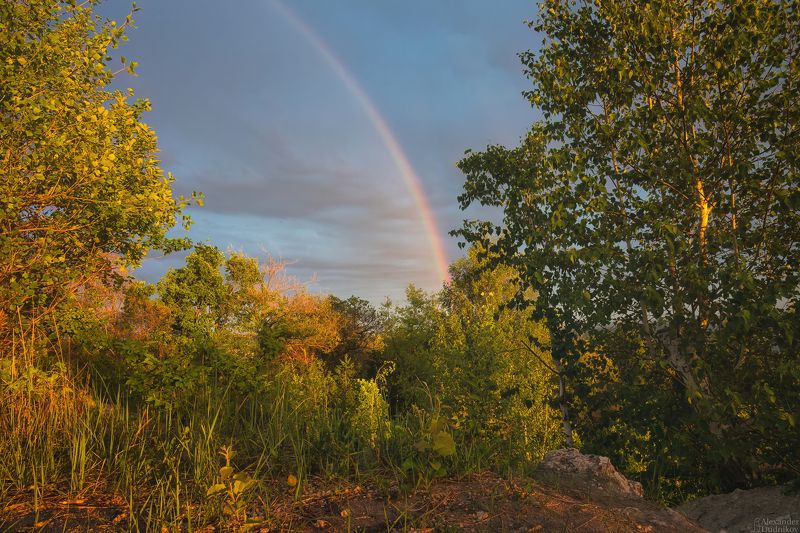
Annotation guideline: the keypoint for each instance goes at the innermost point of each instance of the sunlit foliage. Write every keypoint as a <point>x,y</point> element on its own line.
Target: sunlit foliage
<point>655,212</point>
<point>81,189</point>
<point>481,360</point>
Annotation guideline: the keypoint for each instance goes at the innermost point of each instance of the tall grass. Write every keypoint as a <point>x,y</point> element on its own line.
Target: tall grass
<point>62,432</point>
<point>59,434</point>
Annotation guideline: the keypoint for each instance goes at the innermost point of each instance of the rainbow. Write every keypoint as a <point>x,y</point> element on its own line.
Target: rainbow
<point>410,177</point>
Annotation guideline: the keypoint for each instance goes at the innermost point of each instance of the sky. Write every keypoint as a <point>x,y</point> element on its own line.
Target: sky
<point>273,111</point>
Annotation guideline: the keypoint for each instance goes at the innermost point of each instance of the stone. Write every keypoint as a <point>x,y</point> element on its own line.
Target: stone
<point>763,509</point>
<point>585,476</point>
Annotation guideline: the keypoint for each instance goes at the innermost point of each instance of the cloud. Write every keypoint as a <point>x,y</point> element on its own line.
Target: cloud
<point>249,113</point>
<point>280,184</point>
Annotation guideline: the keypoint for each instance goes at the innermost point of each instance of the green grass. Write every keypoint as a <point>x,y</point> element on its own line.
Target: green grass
<point>57,436</point>
<point>64,433</point>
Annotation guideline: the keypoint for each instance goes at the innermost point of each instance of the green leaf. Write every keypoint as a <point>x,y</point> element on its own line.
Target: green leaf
<point>242,476</point>
<point>240,486</point>
<point>215,489</point>
<point>437,424</point>
<point>443,444</point>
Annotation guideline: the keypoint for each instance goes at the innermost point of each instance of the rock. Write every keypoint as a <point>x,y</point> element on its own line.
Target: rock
<point>756,510</point>
<point>593,477</point>
<point>586,476</point>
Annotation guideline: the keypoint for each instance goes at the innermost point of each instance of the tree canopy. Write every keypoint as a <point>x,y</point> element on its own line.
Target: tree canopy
<point>657,201</point>
<point>81,189</point>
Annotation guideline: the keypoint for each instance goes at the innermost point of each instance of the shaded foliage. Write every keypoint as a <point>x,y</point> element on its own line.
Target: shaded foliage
<point>654,212</point>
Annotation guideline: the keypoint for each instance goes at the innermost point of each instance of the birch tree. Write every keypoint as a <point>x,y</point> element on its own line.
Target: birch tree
<point>658,197</point>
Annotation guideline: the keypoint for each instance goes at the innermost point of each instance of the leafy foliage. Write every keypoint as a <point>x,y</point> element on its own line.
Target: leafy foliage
<point>647,255</point>
<point>81,191</point>
<point>471,352</point>
<point>654,212</point>
<point>235,487</point>
<point>360,328</point>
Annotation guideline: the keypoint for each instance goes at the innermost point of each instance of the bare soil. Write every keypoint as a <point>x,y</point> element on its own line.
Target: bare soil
<point>479,502</point>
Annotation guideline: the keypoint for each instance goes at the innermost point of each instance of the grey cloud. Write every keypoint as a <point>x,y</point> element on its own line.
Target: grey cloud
<point>250,114</point>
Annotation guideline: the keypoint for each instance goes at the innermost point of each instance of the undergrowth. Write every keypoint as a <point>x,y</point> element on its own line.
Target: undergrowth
<point>64,432</point>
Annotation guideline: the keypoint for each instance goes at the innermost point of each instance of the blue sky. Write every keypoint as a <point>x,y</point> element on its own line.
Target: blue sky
<point>249,112</point>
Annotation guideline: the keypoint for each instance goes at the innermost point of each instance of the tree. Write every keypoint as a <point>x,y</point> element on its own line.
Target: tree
<point>410,331</point>
<point>81,189</point>
<point>657,201</point>
<point>197,292</point>
<point>360,328</point>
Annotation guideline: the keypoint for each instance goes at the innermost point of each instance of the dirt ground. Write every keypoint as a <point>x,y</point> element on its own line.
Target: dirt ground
<point>480,502</point>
